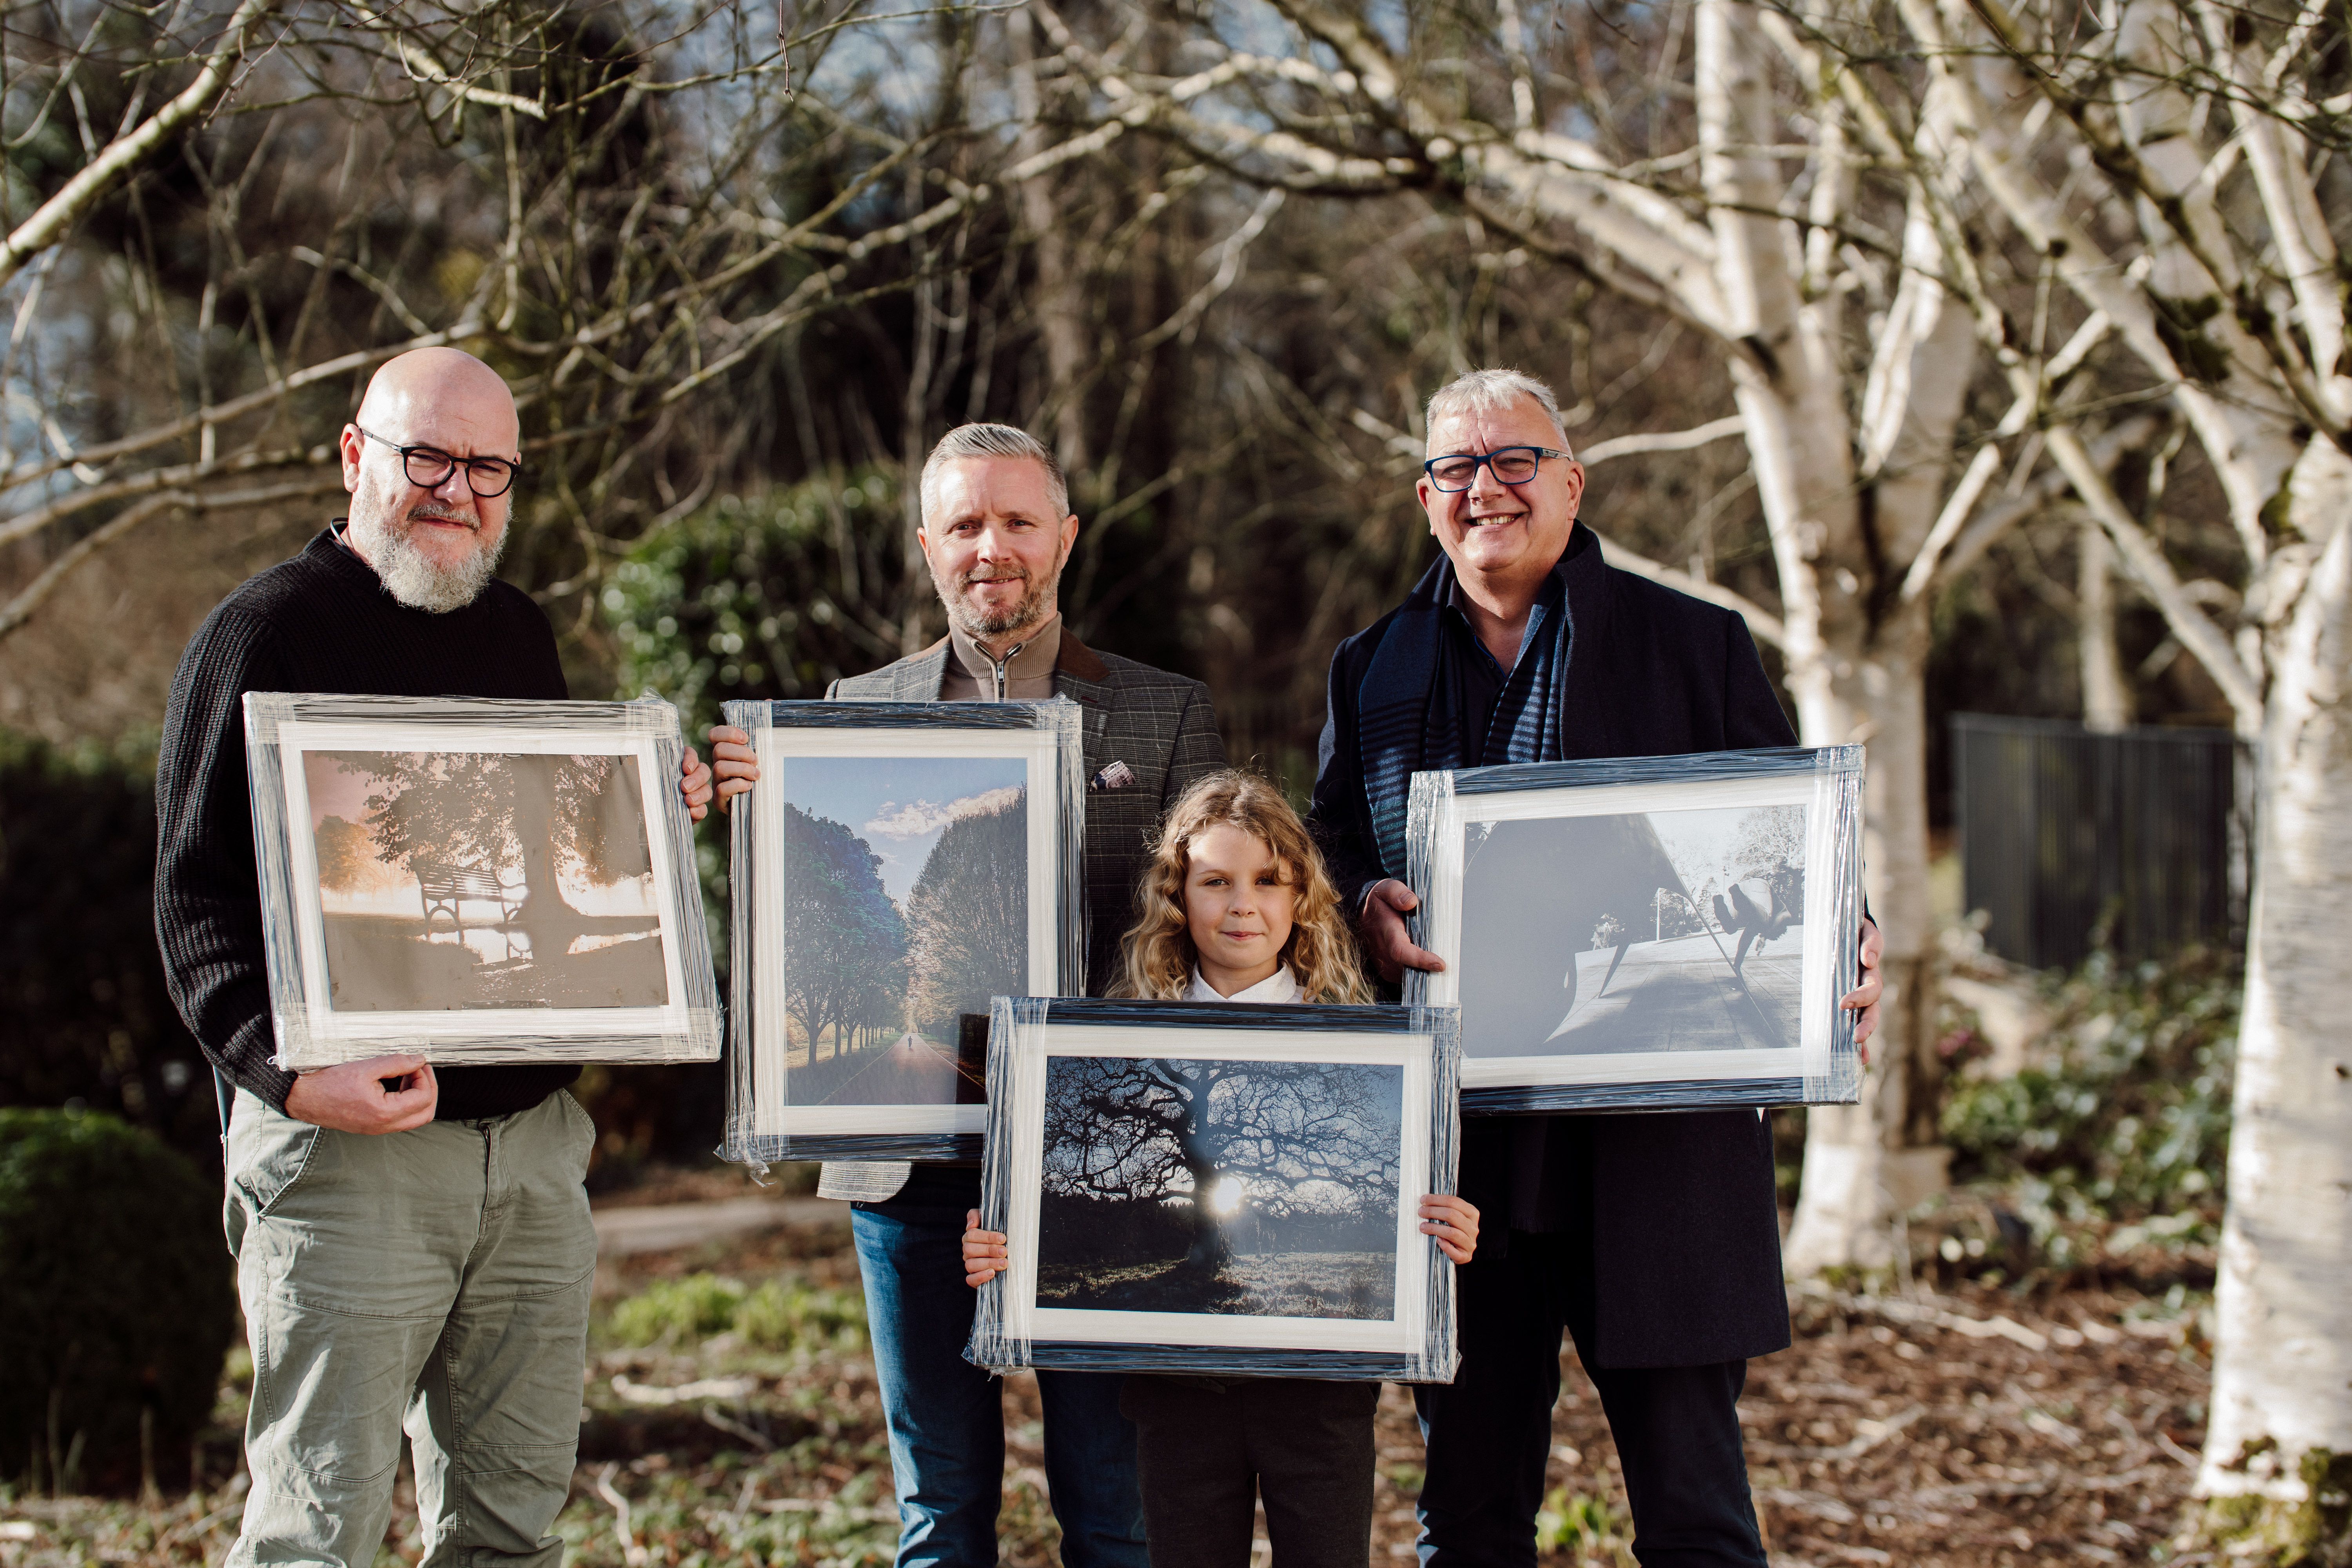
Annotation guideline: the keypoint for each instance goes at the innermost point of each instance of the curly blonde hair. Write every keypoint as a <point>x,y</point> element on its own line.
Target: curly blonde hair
<point>1159,957</point>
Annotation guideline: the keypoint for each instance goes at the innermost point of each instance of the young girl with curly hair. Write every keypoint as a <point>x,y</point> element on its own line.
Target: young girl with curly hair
<point>1235,906</point>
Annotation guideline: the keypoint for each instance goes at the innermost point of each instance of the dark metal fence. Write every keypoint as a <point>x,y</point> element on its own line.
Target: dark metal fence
<point>2067,836</point>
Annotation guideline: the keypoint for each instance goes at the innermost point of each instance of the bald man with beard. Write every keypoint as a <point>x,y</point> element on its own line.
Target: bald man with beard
<point>413,1248</point>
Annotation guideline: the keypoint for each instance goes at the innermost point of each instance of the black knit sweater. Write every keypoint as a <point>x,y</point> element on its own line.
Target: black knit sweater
<point>321,622</point>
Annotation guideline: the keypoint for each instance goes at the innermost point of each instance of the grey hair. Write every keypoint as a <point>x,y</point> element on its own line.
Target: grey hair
<point>1493,392</point>
<point>993,441</point>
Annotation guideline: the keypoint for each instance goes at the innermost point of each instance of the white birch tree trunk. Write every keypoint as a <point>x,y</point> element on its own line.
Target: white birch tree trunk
<point>2282,1405</point>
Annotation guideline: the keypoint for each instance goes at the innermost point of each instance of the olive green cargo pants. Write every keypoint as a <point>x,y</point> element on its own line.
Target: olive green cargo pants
<point>437,1280</point>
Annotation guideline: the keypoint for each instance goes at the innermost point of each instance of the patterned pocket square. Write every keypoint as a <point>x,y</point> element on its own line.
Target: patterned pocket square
<point>1119,775</point>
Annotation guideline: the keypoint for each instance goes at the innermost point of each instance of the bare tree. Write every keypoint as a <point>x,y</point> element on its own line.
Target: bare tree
<point>1754,186</point>
<point>2181,169</point>
<point>1294,1136</point>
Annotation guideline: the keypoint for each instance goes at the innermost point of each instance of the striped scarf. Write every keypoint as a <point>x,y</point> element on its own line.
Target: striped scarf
<point>1406,722</point>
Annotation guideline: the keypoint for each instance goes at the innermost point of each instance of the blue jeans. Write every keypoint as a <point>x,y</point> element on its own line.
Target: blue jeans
<point>947,1416</point>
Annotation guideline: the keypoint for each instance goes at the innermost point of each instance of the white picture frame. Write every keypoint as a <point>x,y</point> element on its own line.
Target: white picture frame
<point>1737,1004</point>
<point>899,761</point>
<point>471,984</point>
<point>1269,1318</point>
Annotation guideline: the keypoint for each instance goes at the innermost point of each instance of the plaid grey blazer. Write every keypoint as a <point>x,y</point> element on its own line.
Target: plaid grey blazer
<point>1161,725</point>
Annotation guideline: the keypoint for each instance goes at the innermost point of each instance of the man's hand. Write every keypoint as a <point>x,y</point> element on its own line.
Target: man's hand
<point>736,764</point>
<point>352,1097</point>
<point>1381,925</point>
<point>694,782</point>
<point>983,1251</point>
<point>1864,998</point>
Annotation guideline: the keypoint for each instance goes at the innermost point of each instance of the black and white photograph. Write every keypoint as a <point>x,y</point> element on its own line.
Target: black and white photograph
<point>1202,1187</point>
<point>901,864</point>
<point>1649,932</point>
<point>1207,1185</point>
<point>477,881</point>
<point>1664,931</point>
<point>484,879</point>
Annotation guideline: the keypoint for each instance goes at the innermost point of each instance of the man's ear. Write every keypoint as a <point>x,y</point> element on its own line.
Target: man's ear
<point>353,447</point>
<point>1069,535</point>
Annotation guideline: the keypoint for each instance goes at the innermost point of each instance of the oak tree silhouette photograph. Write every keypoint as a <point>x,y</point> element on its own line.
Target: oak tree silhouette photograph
<point>1662,930</point>
<point>484,879</point>
<point>1203,1185</point>
<point>905,906</point>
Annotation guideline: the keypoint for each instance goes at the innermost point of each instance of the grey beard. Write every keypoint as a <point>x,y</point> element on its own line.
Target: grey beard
<point>1027,611</point>
<point>417,582</point>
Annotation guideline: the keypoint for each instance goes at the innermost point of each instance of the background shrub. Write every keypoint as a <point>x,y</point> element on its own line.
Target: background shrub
<point>117,1301</point>
<point>777,1315</point>
<point>2121,1122</point>
<point>84,1015</point>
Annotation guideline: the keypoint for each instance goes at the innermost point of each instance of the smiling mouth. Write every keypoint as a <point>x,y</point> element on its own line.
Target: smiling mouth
<point>1494,519</point>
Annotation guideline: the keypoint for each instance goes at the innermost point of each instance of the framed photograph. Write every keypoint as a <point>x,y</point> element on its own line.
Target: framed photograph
<point>1644,932</point>
<point>1205,1187</point>
<point>900,864</point>
<point>477,881</point>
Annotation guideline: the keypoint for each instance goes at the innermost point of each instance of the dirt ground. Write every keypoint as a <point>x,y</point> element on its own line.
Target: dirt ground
<point>1965,1429</point>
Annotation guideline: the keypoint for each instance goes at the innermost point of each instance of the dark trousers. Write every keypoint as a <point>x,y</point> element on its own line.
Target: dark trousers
<point>1489,1431</point>
<point>945,1416</point>
<point>1207,1453</point>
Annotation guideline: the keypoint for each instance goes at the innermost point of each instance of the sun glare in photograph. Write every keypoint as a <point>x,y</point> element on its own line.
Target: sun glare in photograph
<point>484,879</point>
<point>1663,930</point>
<point>1188,1185</point>
<point>906,894</point>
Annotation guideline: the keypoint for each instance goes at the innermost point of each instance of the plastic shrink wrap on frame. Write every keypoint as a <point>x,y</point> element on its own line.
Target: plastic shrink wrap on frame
<point>1644,932</point>
<point>897,865</point>
<point>1302,1115</point>
<point>475,879</point>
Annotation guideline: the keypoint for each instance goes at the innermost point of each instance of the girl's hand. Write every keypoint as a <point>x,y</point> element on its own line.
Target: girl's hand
<point>1453,1220</point>
<point>983,1251</point>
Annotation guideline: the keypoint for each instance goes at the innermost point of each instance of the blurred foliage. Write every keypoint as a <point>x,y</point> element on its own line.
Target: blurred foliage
<point>742,599</point>
<point>1584,1528</point>
<point>116,1301</point>
<point>776,1315</point>
<point>84,1018</point>
<point>2114,1135</point>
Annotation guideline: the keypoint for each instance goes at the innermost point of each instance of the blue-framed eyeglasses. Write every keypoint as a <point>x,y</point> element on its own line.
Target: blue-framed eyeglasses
<point>1511,465</point>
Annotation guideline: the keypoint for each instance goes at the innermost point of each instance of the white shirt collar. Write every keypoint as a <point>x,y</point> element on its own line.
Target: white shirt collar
<point>1279,986</point>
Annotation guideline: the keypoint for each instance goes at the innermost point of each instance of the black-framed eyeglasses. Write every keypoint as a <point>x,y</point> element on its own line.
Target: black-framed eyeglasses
<point>1512,465</point>
<point>428,467</point>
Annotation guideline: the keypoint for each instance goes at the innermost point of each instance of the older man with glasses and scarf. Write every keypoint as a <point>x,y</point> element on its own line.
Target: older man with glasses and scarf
<point>413,1246</point>
<point>1653,1239</point>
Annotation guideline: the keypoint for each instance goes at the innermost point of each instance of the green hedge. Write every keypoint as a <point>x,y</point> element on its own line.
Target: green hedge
<point>84,1015</point>
<point>117,1301</point>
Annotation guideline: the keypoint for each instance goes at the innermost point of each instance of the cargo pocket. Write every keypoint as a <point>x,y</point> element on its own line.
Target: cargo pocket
<point>269,1153</point>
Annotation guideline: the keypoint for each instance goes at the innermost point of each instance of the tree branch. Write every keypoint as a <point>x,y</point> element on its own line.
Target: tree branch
<point>121,156</point>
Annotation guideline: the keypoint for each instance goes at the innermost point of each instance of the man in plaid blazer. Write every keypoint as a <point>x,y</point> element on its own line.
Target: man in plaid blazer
<point>997,531</point>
